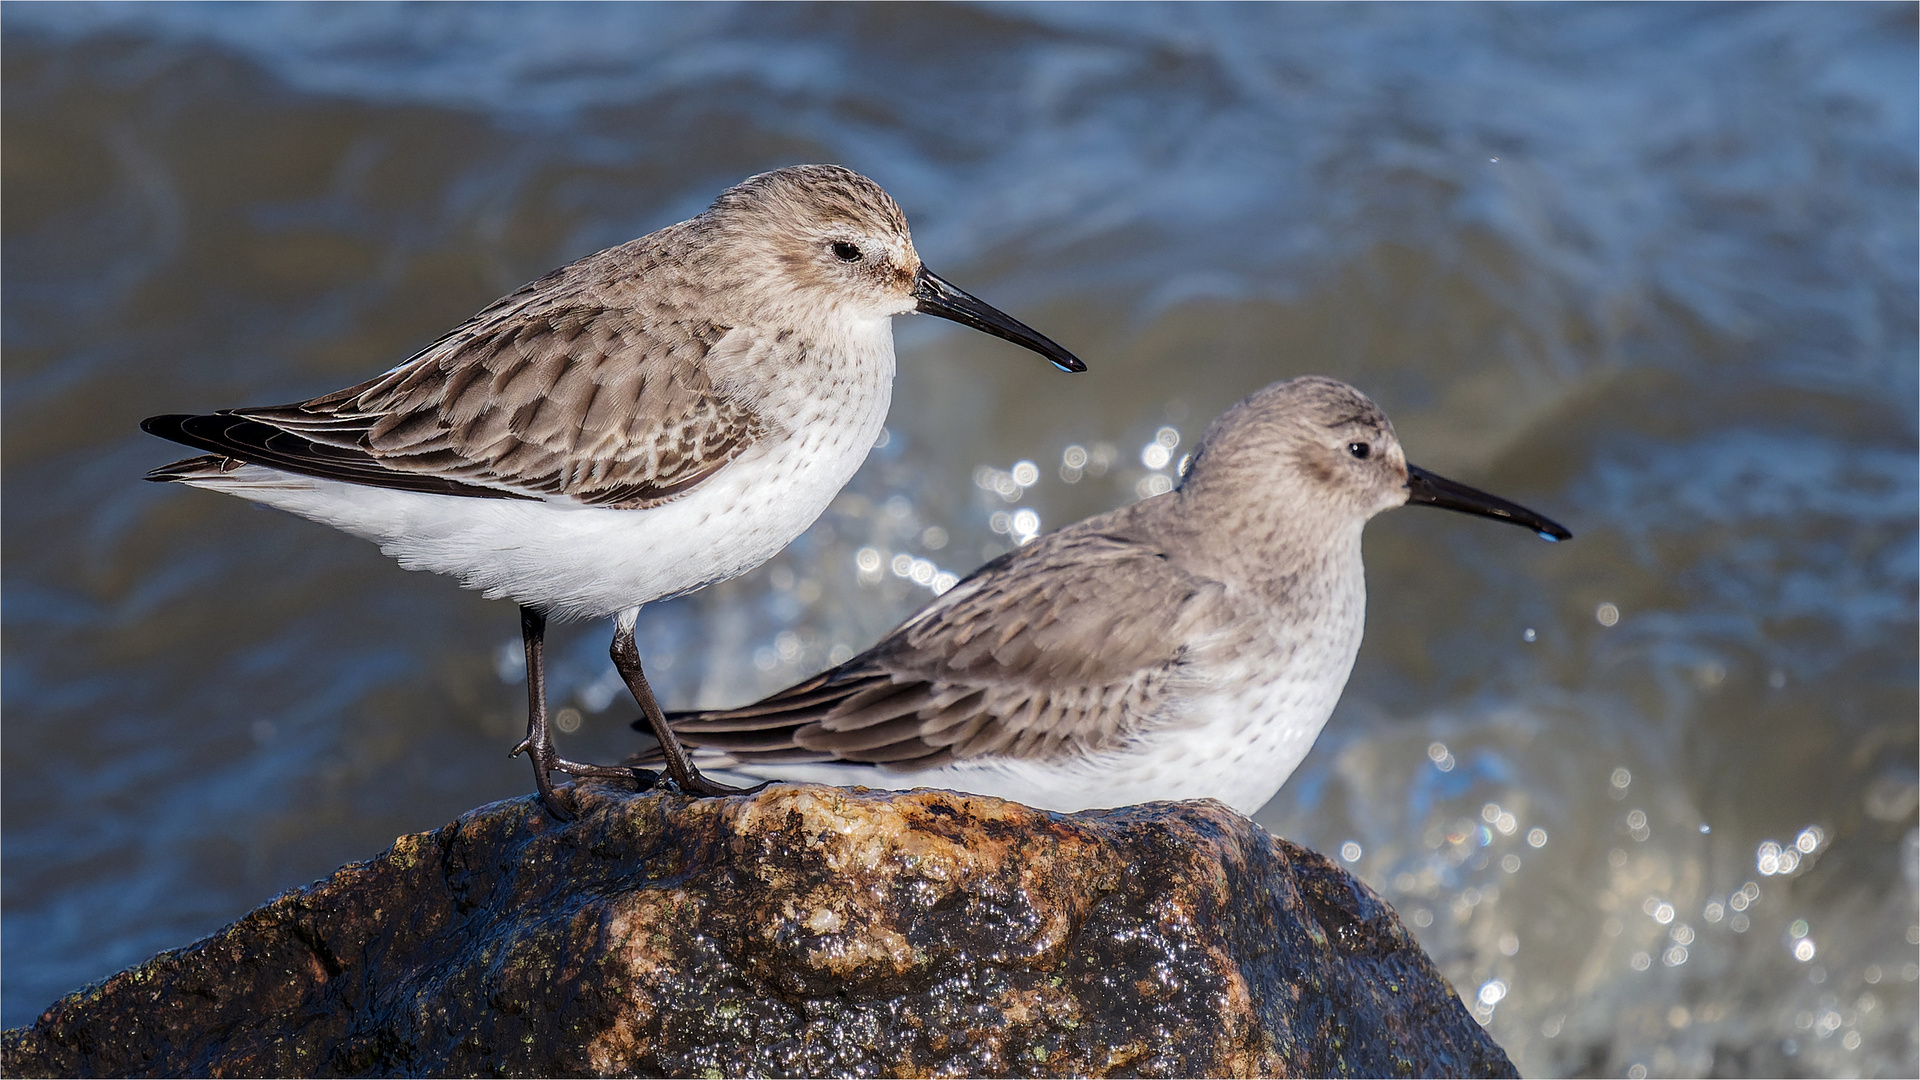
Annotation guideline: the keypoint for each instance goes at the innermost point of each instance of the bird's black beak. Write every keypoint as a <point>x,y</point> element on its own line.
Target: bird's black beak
<point>937,297</point>
<point>1424,487</point>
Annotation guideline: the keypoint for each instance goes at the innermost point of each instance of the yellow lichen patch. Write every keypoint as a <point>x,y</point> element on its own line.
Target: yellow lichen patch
<point>637,955</point>
<point>1024,1007</point>
<point>876,952</point>
<point>637,929</point>
<point>408,850</point>
<point>859,870</point>
<point>1243,1049</point>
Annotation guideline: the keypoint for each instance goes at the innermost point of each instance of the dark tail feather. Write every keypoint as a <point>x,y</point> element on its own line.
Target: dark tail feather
<point>245,439</point>
<point>193,468</point>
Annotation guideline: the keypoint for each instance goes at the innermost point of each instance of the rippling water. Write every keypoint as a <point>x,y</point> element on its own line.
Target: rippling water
<point>1649,797</point>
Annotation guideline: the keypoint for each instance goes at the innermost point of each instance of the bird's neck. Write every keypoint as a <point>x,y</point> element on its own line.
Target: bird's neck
<point>841,376</point>
<point>1272,545</point>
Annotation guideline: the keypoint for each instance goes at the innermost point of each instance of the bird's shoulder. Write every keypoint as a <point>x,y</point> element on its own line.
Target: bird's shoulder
<point>1092,603</point>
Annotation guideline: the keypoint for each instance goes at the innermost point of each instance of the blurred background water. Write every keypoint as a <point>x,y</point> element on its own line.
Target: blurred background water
<point>1649,797</point>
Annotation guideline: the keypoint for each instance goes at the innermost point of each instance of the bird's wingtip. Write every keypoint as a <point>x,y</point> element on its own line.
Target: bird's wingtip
<point>161,425</point>
<point>193,468</point>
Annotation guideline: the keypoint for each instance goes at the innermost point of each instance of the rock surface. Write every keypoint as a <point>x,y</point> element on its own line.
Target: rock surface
<point>801,931</point>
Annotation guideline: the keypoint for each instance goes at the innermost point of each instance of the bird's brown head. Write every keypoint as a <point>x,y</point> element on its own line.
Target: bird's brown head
<point>825,233</point>
<point>824,242</point>
<point>1322,448</point>
<point>1308,442</point>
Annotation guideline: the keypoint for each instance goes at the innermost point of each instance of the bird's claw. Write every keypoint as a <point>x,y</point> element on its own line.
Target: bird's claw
<point>698,785</point>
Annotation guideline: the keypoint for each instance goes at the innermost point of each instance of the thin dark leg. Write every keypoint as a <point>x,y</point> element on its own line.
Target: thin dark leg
<point>626,659</point>
<point>538,745</point>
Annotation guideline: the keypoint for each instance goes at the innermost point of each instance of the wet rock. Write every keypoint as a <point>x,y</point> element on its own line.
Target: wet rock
<point>800,931</point>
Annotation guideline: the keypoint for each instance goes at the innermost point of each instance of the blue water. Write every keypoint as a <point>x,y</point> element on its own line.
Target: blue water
<point>1648,269</point>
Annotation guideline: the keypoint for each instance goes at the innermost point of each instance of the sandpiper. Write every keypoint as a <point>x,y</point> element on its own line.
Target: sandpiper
<point>1190,645</point>
<point>653,418</point>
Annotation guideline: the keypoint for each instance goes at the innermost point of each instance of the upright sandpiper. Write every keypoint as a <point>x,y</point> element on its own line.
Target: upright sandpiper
<point>650,419</point>
<point>1190,645</point>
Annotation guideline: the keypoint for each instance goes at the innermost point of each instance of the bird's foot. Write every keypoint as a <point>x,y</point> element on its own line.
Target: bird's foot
<point>644,778</point>
<point>545,761</point>
<point>698,785</point>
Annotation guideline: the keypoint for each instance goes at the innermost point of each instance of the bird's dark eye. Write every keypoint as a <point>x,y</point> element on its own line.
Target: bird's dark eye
<point>847,252</point>
<point>1359,449</point>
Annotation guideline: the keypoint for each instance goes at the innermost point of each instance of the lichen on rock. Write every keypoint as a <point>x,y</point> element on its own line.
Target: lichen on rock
<point>802,930</point>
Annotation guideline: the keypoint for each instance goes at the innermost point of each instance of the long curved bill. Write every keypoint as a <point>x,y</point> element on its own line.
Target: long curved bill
<point>1426,488</point>
<point>937,296</point>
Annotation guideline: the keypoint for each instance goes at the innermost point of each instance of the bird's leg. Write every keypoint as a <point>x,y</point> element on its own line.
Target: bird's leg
<point>538,745</point>
<point>626,659</point>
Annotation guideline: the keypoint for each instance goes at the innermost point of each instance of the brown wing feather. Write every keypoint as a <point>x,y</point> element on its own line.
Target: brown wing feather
<point>566,388</point>
<point>1071,644</point>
